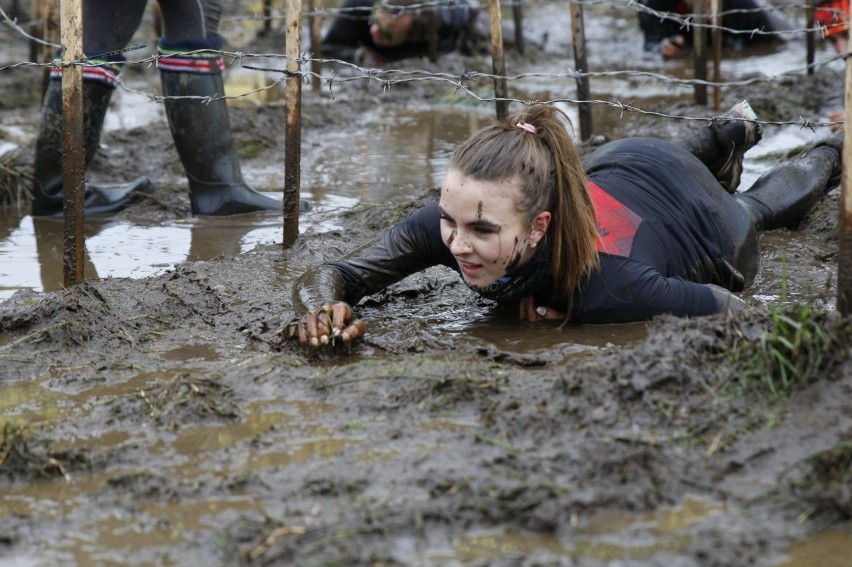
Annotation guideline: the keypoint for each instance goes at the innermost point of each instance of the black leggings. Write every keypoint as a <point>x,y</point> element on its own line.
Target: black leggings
<point>108,27</point>
<point>780,198</point>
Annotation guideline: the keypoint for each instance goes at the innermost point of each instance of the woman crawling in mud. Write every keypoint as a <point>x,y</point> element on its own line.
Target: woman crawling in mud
<point>639,228</point>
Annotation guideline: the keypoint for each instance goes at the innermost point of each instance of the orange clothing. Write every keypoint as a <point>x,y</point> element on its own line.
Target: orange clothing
<point>833,17</point>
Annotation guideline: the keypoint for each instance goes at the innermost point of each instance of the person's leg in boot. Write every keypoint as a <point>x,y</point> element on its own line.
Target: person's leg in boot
<point>48,194</point>
<point>721,144</point>
<point>105,30</point>
<point>201,131</point>
<point>782,196</point>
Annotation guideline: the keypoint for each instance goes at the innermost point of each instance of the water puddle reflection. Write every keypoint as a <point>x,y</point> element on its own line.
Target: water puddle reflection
<point>392,155</point>
<point>609,538</point>
<point>832,548</point>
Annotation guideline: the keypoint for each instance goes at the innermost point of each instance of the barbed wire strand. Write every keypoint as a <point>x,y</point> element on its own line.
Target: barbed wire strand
<point>388,78</point>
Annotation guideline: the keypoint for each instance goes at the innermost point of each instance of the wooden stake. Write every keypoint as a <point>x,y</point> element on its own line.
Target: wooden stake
<point>293,127</point>
<point>844,253</point>
<point>498,59</point>
<point>73,150</point>
<point>578,32</point>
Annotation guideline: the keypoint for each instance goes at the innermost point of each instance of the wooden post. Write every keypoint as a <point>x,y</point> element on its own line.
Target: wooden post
<point>578,34</point>
<point>518,17</point>
<point>293,127</point>
<point>45,14</point>
<point>315,22</point>
<point>73,150</point>
<point>699,41</point>
<point>267,17</point>
<point>717,53</point>
<point>811,37</point>
<point>433,41</point>
<point>498,59</point>
<point>844,253</point>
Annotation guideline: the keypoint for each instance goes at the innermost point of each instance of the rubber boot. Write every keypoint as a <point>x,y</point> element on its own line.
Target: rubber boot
<point>722,144</point>
<point>47,191</point>
<point>781,197</point>
<point>202,136</point>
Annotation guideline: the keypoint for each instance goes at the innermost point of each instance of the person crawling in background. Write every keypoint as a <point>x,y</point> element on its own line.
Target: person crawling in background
<point>373,33</point>
<point>669,36</point>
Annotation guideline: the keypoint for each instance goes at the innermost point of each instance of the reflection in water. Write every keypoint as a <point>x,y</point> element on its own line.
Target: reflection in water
<point>832,548</point>
<point>622,538</point>
<point>610,538</point>
<point>393,154</point>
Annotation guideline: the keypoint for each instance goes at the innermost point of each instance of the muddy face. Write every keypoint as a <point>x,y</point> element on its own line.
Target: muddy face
<point>390,30</point>
<point>482,229</point>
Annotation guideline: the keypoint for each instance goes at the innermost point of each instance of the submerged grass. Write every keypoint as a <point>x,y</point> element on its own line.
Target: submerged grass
<point>185,399</point>
<point>14,186</point>
<point>22,454</point>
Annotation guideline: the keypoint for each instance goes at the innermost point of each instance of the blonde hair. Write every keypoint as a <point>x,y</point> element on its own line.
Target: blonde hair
<point>552,179</point>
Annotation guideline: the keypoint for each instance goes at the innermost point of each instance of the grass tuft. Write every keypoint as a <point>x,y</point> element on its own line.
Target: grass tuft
<point>790,352</point>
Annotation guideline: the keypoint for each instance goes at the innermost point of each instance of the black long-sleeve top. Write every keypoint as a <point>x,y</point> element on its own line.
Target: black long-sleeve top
<point>658,245</point>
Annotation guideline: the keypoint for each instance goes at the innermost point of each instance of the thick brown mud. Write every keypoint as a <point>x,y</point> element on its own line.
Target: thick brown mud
<point>168,420</point>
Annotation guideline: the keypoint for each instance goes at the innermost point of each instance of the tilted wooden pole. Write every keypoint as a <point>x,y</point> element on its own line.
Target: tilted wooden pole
<point>844,253</point>
<point>267,16</point>
<point>717,53</point>
<point>578,33</point>
<point>518,17</point>
<point>293,127</point>
<point>315,24</point>
<point>811,37</point>
<point>73,150</point>
<point>699,41</point>
<point>498,59</point>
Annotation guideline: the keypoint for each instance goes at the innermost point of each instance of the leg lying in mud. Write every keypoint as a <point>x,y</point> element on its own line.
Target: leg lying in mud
<point>782,196</point>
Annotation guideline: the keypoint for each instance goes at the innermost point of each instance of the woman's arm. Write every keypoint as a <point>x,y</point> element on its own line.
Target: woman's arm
<point>626,291</point>
<point>325,294</point>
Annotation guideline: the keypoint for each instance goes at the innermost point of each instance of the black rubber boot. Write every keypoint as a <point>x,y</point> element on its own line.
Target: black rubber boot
<point>202,136</point>
<point>781,197</point>
<point>721,144</point>
<point>48,195</point>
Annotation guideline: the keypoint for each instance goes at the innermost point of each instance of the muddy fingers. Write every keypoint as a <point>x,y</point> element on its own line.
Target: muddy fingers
<point>355,330</point>
<point>323,325</point>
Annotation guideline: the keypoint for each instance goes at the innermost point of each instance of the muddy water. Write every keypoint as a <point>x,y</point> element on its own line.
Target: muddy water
<point>398,153</point>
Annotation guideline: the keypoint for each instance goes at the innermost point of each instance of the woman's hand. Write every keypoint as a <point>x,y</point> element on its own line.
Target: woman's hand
<point>331,321</point>
<point>531,312</point>
<point>670,47</point>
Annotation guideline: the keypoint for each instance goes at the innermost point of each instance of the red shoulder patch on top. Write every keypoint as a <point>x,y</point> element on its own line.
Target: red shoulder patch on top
<point>617,223</point>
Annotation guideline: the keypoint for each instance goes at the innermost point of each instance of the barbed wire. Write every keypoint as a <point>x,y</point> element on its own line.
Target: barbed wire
<point>13,23</point>
<point>386,79</point>
<point>458,83</point>
<point>685,21</point>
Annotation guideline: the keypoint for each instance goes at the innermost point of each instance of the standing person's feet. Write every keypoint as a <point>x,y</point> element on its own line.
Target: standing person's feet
<point>736,132</point>
<point>670,48</point>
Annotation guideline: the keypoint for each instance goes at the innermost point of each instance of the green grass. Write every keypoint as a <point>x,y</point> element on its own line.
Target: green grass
<point>790,352</point>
